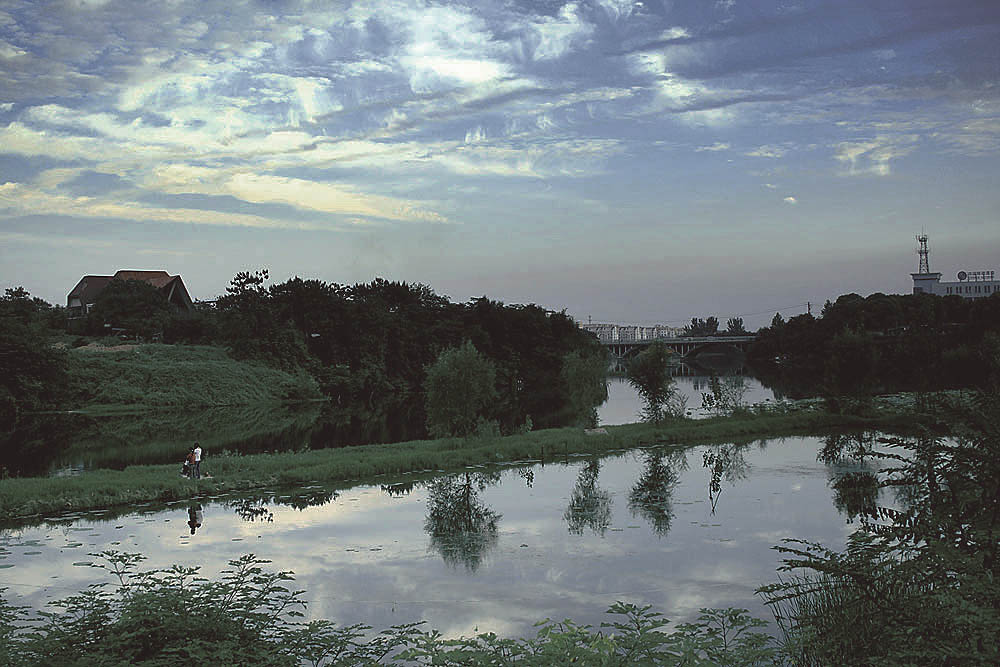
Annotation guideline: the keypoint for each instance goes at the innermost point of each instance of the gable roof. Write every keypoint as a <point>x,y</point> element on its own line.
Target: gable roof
<point>88,288</point>
<point>172,287</point>
<point>154,278</point>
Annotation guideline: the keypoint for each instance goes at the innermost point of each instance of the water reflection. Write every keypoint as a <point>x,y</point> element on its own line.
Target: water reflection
<point>853,478</point>
<point>461,527</point>
<point>589,505</point>
<point>260,507</point>
<point>725,462</point>
<point>399,489</point>
<point>363,555</point>
<point>652,495</point>
<point>252,509</point>
<point>856,494</point>
<point>195,517</point>
<point>842,447</point>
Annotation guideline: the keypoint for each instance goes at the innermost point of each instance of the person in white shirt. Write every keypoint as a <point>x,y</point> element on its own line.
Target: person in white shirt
<point>197,461</point>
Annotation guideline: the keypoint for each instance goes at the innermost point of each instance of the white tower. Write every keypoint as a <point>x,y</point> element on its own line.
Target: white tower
<point>924,281</point>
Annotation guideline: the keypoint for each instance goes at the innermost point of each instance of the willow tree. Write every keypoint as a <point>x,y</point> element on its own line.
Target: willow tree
<point>460,389</point>
<point>649,373</point>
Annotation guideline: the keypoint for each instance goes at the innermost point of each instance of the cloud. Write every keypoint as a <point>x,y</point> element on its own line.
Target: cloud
<point>790,200</point>
<point>874,156</point>
<point>20,199</point>
<point>717,146</point>
<point>767,151</point>
<point>325,198</point>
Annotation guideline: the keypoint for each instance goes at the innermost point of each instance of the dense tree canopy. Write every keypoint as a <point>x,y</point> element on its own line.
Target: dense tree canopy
<point>915,342</point>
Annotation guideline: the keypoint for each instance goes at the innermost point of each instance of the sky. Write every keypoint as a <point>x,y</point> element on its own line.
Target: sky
<point>635,162</point>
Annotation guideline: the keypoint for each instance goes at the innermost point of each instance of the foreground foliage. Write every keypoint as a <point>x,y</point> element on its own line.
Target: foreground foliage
<point>915,585</point>
<point>174,616</point>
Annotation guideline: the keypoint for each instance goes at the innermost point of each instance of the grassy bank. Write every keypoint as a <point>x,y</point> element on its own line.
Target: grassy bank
<point>137,376</point>
<point>103,489</point>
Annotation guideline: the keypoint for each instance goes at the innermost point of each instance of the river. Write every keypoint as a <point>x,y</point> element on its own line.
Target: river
<point>563,539</point>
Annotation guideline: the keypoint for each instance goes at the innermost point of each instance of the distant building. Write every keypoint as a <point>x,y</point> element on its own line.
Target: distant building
<point>628,333</point>
<point>82,297</point>
<point>970,284</point>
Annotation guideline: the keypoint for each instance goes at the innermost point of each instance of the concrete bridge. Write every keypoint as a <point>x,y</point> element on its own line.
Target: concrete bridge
<point>682,345</point>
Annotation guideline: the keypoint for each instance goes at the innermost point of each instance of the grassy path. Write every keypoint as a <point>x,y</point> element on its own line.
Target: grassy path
<point>27,498</point>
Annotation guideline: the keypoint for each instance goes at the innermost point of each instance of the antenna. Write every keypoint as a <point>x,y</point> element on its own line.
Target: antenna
<point>925,266</point>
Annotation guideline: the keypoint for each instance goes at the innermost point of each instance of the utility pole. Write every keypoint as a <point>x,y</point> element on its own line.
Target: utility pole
<point>809,307</point>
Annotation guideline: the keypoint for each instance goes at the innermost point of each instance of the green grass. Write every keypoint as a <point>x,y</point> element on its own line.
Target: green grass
<point>108,489</point>
<point>155,436</point>
<point>177,376</point>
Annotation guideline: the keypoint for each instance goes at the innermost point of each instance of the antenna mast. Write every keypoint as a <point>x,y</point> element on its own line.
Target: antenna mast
<point>925,265</point>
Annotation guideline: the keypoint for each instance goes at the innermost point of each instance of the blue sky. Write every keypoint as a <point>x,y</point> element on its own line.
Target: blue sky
<point>629,161</point>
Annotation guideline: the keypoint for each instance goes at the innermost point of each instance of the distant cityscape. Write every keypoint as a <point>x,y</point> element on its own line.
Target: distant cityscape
<point>608,332</point>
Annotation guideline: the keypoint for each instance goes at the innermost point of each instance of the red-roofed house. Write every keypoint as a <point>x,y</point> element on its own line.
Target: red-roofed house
<point>83,296</point>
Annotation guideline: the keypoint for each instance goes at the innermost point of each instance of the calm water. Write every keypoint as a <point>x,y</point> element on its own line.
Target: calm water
<point>61,444</point>
<point>624,405</point>
<point>491,548</point>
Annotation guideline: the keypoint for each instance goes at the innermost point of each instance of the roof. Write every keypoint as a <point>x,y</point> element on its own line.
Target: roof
<point>154,278</point>
<point>90,286</point>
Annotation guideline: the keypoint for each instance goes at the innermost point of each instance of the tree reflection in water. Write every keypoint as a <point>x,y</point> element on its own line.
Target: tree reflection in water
<point>652,495</point>
<point>461,527</point>
<point>258,507</point>
<point>724,462</point>
<point>589,505</point>
<point>855,492</point>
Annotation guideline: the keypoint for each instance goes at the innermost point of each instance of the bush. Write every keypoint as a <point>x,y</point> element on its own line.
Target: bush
<point>249,617</point>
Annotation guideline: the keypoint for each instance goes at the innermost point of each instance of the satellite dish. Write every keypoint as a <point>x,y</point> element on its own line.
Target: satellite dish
<point>962,275</point>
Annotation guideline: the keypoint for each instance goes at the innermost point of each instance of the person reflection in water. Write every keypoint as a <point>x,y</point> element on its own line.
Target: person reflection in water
<point>194,517</point>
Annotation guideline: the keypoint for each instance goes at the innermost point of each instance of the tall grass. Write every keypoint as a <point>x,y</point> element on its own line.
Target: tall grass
<point>178,375</point>
<point>101,489</point>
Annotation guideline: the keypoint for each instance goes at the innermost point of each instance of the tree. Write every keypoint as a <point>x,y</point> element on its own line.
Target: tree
<point>777,321</point>
<point>700,327</point>
<point>734,327</point>
<point>850,367</point>
<point>649,373</point>
<point>459,392</point>
<point>133,305</point>
<point>586,385</point>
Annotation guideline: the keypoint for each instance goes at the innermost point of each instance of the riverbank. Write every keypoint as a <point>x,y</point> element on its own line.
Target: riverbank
<point>111,379</point>
<point>32,498</point>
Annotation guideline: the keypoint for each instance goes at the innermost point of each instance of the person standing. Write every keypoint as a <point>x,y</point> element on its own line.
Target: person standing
<point>197,461</point>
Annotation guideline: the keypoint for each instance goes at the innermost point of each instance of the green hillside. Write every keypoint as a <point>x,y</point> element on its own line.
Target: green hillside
<point>176,376</point>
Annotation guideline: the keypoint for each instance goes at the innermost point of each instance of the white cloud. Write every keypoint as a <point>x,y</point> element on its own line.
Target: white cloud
<point>555,36</point>
<point>790,200</point>
<point>8,51</point>
<point>767,151</point>
<point>27,200</point>
<point>876,155</point>
<point>717,146</point>
<point>324,197</point>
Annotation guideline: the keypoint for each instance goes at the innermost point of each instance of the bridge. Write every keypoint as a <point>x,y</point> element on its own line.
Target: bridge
<point>682,345</point>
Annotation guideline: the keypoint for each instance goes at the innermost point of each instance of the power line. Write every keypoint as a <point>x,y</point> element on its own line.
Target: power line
<point>685,321</point>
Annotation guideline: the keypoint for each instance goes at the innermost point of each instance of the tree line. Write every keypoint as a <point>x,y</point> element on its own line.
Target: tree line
<point>368,343</point>
<point>861,345</point>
